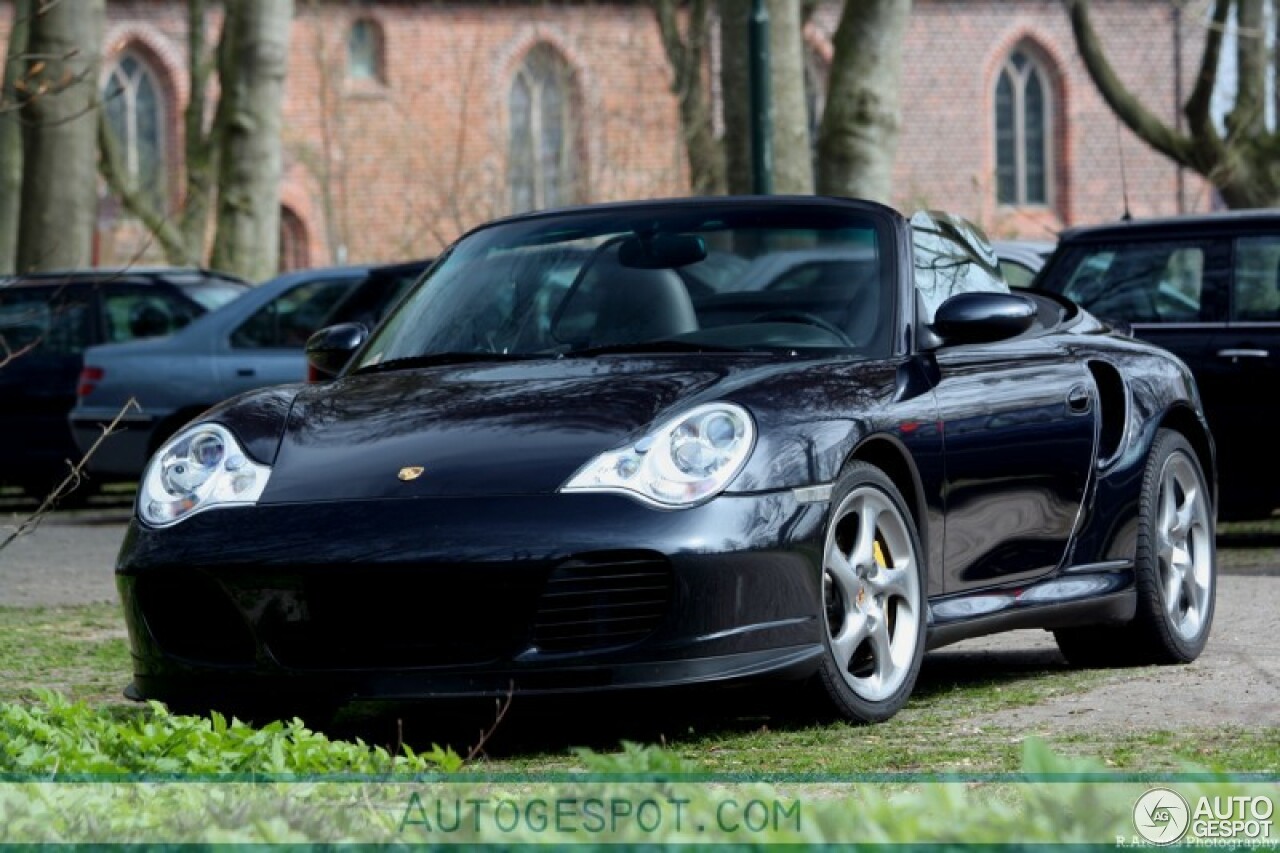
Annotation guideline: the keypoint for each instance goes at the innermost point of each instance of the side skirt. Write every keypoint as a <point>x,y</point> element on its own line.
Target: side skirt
<point>1097,594</point>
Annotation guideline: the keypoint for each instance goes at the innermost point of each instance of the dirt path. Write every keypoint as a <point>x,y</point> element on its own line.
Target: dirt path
<point>69,559</point>
<point>1236,682</point>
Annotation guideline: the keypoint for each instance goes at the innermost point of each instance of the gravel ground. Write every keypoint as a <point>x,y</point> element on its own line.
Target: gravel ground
<point>68,560</point>
<point>1235,682</point>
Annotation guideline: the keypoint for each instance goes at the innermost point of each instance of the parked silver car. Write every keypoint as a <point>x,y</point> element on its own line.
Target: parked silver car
<point>252,342</point>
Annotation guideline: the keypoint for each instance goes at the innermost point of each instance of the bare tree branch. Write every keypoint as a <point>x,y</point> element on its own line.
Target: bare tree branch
<point>503,705</point>
<point>1146,124</point>
<point>135,201</point>
<point>69,484</point>
<point>9,355</point>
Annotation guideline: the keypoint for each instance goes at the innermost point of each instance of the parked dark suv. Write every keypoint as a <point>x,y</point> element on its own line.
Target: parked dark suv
<point>47,321</point>
<point>1208,288</point>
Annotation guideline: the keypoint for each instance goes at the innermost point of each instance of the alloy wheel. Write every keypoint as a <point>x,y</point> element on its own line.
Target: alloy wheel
<point>1184,547</point>
<point>871,593</point>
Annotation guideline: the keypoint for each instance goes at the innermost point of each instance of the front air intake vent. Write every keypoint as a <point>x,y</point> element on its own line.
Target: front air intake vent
<point>602,601</point>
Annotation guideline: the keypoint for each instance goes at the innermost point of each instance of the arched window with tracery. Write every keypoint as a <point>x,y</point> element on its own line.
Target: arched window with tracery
<point>1024,131</point>
<point>544,154</point>
<point>366,62</point>
<point>137,114</point>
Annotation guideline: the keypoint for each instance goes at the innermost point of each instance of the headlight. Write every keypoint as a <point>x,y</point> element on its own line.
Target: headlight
<point>200,468</point>
<point>683,461</point>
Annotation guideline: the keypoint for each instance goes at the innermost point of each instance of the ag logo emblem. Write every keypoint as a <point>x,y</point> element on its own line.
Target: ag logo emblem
<point>411,472</point>
<point>1161,816</point>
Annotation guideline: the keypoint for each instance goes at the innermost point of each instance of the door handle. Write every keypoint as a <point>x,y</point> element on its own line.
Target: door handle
<point>1236,354</point>
<point>246,371</point>
<point>1078,400</point>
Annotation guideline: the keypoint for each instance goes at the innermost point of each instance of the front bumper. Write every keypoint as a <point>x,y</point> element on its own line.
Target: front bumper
<point>450,597</point>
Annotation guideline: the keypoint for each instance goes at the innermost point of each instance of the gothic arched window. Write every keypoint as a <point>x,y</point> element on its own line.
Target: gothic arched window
<point>544,165</point>
<point>136,115</point>
<point>1024,132</point>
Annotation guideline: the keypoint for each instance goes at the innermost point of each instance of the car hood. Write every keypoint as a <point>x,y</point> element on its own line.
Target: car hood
<point>491,429</point>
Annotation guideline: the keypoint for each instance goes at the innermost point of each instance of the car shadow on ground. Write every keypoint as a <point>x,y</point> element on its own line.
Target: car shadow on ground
<point>556,725</point>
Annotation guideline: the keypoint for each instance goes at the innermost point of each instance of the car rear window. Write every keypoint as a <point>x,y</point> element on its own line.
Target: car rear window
<point>211,295</point>
<point>53,320</point>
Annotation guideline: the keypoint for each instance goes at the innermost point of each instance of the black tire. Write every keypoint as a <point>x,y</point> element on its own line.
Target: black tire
<point>896,600</point>
<point>1162,632</point>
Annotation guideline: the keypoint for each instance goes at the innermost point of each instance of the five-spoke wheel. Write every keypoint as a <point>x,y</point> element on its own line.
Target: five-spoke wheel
<point>873,597</point>
<point>1184,547</point>
<point>1174,569</point>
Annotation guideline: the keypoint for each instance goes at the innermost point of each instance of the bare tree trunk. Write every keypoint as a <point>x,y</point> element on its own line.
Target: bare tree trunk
<point>251,66</point>
<point>11,138</point>
<point>792,154</point>
<point>686,54</point>
<point>202,154</point>
<point>60,120</point>
<point>859,134</point>
<point>735,94</point>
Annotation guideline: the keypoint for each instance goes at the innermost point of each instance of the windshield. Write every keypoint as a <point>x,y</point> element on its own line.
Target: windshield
<point>692,278</point>
<point>212,294</point>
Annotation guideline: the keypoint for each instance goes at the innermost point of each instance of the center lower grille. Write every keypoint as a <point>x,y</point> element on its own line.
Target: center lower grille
<point>409,617</point>
<point>602,601</point>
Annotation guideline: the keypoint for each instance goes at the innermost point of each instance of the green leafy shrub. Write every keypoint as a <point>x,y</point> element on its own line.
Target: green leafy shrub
<point>58,736</point>
<point>73,773</point>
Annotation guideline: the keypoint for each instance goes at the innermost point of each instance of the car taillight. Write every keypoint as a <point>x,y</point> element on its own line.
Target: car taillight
<point>89,379</point>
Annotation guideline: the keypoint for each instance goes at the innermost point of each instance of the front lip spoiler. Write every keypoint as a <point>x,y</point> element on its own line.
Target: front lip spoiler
<point>795,662</point>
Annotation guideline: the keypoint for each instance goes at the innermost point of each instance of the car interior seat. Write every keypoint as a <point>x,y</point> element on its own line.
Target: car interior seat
<point>148,320</point>
<point>630,305</point>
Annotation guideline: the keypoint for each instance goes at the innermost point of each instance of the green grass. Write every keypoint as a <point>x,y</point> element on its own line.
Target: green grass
<point>82,652</point>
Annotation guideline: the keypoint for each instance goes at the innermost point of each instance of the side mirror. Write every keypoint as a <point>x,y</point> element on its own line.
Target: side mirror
<point>976,318</point>
<point>329,349</point>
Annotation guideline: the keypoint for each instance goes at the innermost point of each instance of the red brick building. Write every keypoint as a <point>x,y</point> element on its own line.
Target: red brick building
<point>407,122</point>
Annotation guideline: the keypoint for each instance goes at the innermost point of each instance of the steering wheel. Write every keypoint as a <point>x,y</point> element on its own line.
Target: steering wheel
<point>807,319</point>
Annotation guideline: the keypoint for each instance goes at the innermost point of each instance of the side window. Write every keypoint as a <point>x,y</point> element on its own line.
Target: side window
<point>1255,287</point>
<point>57,325</point>
<point>951,256</point>
<point>129,313</point>
<point>1168,282</point>
<point>1016,274</point>
<point>289,319</point>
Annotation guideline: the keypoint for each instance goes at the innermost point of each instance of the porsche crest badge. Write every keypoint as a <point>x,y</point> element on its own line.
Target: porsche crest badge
<point>410,472</point>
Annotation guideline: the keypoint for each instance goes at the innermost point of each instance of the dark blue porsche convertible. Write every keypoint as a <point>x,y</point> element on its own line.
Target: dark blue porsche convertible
<point>673,442</point>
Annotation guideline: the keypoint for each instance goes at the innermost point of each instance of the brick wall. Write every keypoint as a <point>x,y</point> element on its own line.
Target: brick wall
<point>954,52</point>
<point>399,167</point>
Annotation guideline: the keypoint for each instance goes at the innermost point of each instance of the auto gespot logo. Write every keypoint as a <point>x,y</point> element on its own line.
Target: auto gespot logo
<point>1162,816</point>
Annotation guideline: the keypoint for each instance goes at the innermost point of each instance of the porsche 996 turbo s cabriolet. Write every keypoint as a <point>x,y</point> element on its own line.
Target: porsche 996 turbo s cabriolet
<point>663,443</point>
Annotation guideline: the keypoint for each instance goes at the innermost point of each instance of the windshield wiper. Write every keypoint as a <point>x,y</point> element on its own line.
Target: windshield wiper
<point>660,346</point>
<point>433,359</point>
